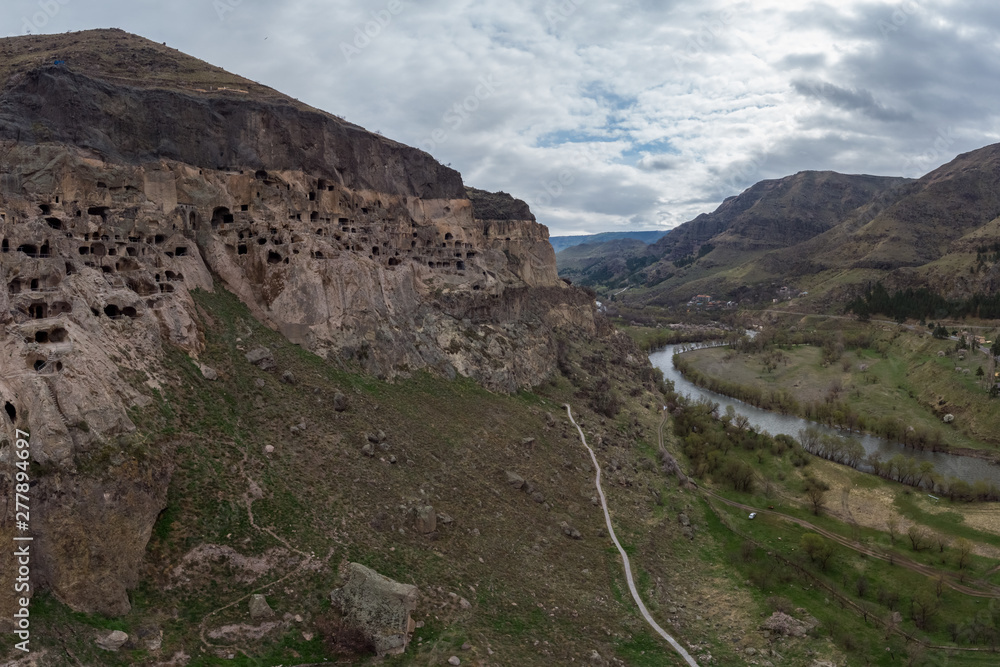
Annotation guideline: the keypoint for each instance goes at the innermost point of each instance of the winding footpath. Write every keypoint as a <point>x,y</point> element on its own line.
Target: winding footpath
<point>628,567</point>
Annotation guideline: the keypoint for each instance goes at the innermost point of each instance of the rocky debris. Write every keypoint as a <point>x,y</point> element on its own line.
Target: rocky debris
<point>528,442</point>
<point>261,358</point>
<point>112,641</point>
<point>570,531</point>
<point>949,418</point>
<point>378,607</point>
<point>288,377</point>
<point>789,626</point>
<point>376,438</point>
<point>259,383</point>
<point>426,519</point>
<point>515,480</point>
<point>454,660</point>
<point>208,372</point>
<point>444,518</point>
<point>244,632</point>
<point>550,421</point>
<point>684,519</point>
<point>464,604</point>
<point>269,449</point>
<point>368,450</point>
<point>259,608</point>
<point>538,497</point>
<point>339,402</point>
<point>466,646</point>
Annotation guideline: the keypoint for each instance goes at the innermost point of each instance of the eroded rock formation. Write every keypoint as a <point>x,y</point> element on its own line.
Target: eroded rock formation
<point>119,197</point>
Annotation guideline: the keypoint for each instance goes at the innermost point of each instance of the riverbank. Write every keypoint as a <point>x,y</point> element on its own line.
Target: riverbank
<point>900,392</point>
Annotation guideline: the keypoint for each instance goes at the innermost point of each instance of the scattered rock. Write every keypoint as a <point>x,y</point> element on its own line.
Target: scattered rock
<point>392,459</point>
<point>453,660</point>
<point>288,377</point>
<point>538,497</point>
<point>378,607</point>
<point>949,418</point>
<point>444,518</point>
<point>259,608</point>
<point>261,358</point>
<point>684,519</point>
<point>111,641</point>
<point>570,531</point>
<point>260,383</point>
<point>339,402</point>
<point>466,646</point>
<point>527,442</point>
<point>750,651</point>
<point>549,419</point>
<point>208,372</point>
<point>515,480</point>
<point>782,623</point>
<point>464,604</point>
<point>368,450</point>
<point>269,449</point>
<point>426,519</point>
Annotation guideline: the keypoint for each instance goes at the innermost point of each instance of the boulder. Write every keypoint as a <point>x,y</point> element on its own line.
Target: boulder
<point>339,402</point>
<point>378,607</point>
<point>948,419</point>
<point>426,519</point>
<point>288,377</point>
<point>261,358</point>
<point>570,531</point>
<point>208,372</point>
<point>368,450</point>
<point>259,608</point>
<point>112,641</point>
<point>514,479</point>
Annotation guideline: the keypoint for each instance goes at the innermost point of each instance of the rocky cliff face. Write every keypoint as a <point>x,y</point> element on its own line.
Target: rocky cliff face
<point>117,200</point>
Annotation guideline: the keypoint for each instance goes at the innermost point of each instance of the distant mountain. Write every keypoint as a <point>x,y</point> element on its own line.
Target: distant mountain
<point>560,243</point>
<point>825,233</point>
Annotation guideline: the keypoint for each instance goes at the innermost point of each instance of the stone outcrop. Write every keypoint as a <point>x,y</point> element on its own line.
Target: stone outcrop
<point>122,191</point>
<point>378,607</point>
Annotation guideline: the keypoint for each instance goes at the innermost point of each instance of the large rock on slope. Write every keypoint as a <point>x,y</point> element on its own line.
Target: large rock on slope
<point>378,607</point>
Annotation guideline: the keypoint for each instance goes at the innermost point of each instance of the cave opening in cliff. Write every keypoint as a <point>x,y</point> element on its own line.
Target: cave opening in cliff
<point>15,286</point>
<point>39,365</point>
<point>273,257</point>
<point>54,223</point>
<point>38,311</point>
<point>158,239</point>
<point>101,211</point>
<point>28,249</point>
<point>10,410</point>
<point>375,251</point>
<point>193,220</point>
<point>34,284</point>
<point>130,312</point>
<point>5,246</point>
<point>45,208</point>
<point>460,265</point>
<point>112,311</point>
<point>449,236</point>
<point>41,336</point>
<point>393,261</point>
<point>241,249</point>
<point>58,335</point>
<point>180,251</point>
<point>221,215</point>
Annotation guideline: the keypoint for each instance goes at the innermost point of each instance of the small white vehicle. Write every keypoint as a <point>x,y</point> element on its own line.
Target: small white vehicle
<point>753,514</point>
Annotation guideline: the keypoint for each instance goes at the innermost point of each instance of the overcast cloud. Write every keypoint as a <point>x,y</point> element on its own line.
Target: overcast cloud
<point>611,114</point>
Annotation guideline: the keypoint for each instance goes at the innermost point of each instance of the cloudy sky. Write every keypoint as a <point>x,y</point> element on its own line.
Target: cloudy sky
<point>608,114</point>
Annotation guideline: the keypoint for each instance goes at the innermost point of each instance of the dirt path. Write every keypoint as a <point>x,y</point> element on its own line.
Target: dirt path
<point>625,562</point>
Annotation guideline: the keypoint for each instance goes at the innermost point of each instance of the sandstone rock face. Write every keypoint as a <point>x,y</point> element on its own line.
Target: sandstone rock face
<point>118,199</point>
<point>377,606</point>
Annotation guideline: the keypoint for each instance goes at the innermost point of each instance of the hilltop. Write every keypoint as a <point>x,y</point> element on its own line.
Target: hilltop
<point>830,235</point>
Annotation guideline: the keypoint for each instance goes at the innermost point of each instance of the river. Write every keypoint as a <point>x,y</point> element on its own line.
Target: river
<point>966,468</point>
